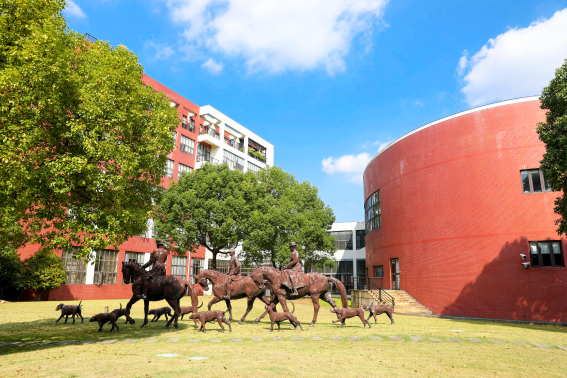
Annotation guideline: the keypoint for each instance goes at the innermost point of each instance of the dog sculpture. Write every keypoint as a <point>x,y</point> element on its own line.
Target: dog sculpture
<point>188,310</point>
<point>105,317</point>
<point>123,312</point>
<point>346,313</point>
<point>158,312</point>
<point>379,310</point>
<point>278,317</point>
<point>211,316</point>
<point>67,310</point>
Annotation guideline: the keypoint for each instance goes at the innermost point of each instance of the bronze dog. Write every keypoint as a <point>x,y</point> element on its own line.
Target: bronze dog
<point>105,317</point>
<point>211,316</point>
<point>123,312</point>
<point>379,310</point>
<point>346,313</point>
<point>188,310</point>
<point>67,310</point>
<point>278,317</point>
<point>158,312</point>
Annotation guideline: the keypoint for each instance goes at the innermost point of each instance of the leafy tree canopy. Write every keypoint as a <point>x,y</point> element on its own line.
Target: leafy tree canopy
<point>42,271</point>
<point>83,142</point>
<point>208,207</point>
<point>289,211</point>
<point>10,267</point>
<point>554,134</point>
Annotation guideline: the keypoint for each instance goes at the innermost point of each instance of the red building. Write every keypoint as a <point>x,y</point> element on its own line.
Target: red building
<point>103,279</point>
<point>451,207</point>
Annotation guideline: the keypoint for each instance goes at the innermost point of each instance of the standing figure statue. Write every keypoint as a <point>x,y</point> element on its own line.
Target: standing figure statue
<point>294,265</point>
<point>233,273</point>
<point>158,258</point>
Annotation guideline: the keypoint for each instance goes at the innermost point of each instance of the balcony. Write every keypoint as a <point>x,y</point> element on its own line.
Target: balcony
<point>210,136</point>
<point>204,159</point>
<point>188,126</point>
<point>232,164</point>
<point>260,156</point>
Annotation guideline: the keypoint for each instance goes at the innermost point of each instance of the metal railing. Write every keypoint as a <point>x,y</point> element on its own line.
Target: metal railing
<point>90,38</point>
<point>374,284</point>
<point>212,132</point>
<point>206,158</point>
<point>232,164</point>
<point>188,126</point>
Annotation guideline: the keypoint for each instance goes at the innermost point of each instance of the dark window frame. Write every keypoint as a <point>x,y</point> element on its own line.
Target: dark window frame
<point>375,270</point>
<point>545,187</point>
<point>538,262</point>
<point>373,212</point>
<point>343,239</point>
<point>360,241</point>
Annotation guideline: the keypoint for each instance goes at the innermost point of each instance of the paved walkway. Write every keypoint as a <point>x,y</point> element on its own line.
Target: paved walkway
<point>389,338</point>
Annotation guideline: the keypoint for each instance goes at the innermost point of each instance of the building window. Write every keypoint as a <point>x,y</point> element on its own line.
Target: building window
<point>343,239</point>
<point>179,267</point>
<point>184,122</point>
<point>138,257</point>
<point>379,271</point>
<point>345,273</point>
<point>233,161</point>
<point>253,167</point>
<point>360,274</point>
<point>372,214</point>
<point>546,253</point>
<point>76,268</point>
<point>106,265</point>
<point>196,267</point>
<point>222,265</point>
<point>204,153</point>
<point>360,239</point>
<point>169,172</point>
<point>182,168</point>
<point>187,145</point>
<point>174,136</point>
<point>534,182</point>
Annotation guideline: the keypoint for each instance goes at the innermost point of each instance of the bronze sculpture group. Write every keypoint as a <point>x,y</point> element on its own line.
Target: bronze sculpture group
<point>286,284</point>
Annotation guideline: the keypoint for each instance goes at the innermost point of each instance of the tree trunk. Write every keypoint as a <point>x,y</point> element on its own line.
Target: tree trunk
<point>38,293</point>
<point>214,267</point>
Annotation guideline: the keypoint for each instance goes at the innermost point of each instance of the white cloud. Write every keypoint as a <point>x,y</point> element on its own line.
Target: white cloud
<point>381,145</point>
<point>350,165</point>
<point>517,63</point>
<point>162,52</point>
<point>418,103</point>
<point>73,9</point>
<point>213,66</point>
<point>275,36</point>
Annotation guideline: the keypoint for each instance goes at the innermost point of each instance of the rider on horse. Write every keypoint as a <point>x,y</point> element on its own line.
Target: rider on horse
<point>158,259</point>
<point>233,273</point>
<point>294,265</point>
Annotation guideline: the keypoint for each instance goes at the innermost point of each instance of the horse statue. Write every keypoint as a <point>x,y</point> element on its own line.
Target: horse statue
<point>170,288</point>
<point>244,287</point>
<point>315,285</point>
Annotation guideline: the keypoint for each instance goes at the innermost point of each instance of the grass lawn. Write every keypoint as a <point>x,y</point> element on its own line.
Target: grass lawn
<point>30,321</point>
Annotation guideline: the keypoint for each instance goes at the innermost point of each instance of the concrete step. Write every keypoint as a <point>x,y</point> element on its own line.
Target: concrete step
<point>405,303</point>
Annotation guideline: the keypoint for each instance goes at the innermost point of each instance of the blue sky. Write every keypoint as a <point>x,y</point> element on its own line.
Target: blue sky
<point>329,82</point>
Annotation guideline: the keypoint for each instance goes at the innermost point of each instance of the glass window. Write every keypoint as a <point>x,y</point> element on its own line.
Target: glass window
<point>546,254</point>
<point>360,239</point>
<point>233,161</point>
<point>196,267</point>
<point>372,214</point>
<point>76,268</point>
<point>136,256</point>
<point>253,167</point>
<point>182,168</point>
<point>222,265</point>
<point>204,153</point>
<point>187,145</point>
<point>169,167</point>
<point>343,239</point>
<point>533,181</point>
<point>106,266</point>
<point>179,267</point>
<point>174,136</point>
<point>379,271</point>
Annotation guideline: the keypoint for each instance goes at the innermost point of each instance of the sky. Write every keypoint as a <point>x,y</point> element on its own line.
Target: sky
<point>331,82</point>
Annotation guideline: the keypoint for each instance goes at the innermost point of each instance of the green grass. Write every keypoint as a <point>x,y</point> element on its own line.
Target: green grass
<point>29,321</point>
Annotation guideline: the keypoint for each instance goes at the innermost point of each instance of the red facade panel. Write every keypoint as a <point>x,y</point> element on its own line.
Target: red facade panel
<point>453,211</point>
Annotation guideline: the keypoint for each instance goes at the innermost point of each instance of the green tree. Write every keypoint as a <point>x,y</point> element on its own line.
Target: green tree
<point>208,207</point>
<point>288,211</point>
<point>83,141</point>
<point>554,134</point>
<point>42,271</point>
<point>10,268</point>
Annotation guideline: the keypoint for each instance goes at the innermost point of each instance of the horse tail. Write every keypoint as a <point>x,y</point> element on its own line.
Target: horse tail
<point>79,306</point>
<point>293,308</point>
<point>194,299</point>
<point>201,304</point>
<point>342,290</point>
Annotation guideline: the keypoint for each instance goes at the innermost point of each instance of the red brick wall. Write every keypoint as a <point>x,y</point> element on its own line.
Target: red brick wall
<point>454,213</point>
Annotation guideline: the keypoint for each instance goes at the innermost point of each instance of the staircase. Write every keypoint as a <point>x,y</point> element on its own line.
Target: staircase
<point>406,304</point>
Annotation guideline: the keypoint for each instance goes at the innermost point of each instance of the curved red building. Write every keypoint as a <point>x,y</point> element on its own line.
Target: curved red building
<point>452,206</point>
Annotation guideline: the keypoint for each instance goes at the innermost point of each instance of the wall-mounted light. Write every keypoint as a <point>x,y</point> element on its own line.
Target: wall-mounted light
<point>522,256</point>
<point>526,265</point>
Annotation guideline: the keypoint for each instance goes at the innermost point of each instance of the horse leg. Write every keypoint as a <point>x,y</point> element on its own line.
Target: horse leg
<point>327,298</point>
<point>316,306</point>
<point>281,299</point>
<point>176,311</point>
<point>248,309</point>
<point>213,301</point>
<point>131,302</point>
<point>270,303</point>
<point>229,307</point>
<point>146,309</point>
